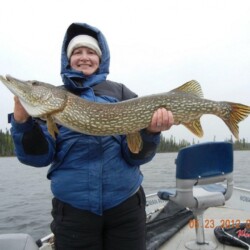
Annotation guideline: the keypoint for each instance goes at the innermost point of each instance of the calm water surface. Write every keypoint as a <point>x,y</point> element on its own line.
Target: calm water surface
<point>25,197</point>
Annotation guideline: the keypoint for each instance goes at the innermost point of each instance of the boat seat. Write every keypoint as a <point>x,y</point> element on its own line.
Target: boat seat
<point>204,178</point>
<point>17,242</point>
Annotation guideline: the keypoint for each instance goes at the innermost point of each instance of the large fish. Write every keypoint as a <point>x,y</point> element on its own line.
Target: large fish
<point>56,105</point>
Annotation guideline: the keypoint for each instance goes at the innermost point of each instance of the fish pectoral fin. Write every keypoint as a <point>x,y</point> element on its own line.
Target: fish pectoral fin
<point>135,142</point>
<point>194,127</point>
<point>51,125</point>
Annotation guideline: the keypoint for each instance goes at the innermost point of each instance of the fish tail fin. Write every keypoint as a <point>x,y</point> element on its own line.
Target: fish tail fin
<point>237,114</point>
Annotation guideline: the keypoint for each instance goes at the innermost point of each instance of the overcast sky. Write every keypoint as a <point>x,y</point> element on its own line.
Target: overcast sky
<point>155,47</point>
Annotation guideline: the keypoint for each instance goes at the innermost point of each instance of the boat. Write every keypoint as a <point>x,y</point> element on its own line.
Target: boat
<point>204,211</point>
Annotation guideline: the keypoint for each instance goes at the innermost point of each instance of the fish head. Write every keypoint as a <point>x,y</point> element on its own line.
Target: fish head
<point>38,98</point>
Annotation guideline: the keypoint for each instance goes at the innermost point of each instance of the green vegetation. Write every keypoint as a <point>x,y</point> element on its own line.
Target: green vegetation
<point>6,144</point>
<point>166,144</point>
<point>240,144</point>
<point>171,145</point>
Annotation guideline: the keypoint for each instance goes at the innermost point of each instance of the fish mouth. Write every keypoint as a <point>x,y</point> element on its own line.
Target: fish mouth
<point>16,86</point>
<point>12,79</point>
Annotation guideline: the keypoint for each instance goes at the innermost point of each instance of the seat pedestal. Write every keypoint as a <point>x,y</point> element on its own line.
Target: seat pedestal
<point>200,243</point>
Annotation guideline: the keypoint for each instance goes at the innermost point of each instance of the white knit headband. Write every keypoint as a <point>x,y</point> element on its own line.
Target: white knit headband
<point>83,41</point>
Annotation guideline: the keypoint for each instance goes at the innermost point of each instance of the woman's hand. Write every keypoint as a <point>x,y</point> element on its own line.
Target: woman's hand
<point>162,120</point>
<point>20,114</point>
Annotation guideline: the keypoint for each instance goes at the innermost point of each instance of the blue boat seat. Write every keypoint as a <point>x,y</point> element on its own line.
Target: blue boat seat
<point>204,178</point>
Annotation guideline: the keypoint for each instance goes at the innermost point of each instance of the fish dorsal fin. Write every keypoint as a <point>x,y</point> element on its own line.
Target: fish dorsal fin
<point>191,87</point>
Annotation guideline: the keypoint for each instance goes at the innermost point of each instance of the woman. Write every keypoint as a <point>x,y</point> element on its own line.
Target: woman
<point>96,181</point>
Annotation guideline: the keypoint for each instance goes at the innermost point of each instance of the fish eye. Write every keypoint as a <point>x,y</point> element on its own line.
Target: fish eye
<point>34,83</point>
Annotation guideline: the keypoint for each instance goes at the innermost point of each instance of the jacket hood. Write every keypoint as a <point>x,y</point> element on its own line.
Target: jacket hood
<point>68,74</point>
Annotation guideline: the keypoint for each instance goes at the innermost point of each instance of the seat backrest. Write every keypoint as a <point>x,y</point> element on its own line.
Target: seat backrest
<point>199,165</point>
<point>205,160</point>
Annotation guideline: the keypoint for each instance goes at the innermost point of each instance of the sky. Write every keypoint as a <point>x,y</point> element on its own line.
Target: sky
<point>155,47</point>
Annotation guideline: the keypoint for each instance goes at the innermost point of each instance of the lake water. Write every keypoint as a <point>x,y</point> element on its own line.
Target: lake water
<point>25,197</point>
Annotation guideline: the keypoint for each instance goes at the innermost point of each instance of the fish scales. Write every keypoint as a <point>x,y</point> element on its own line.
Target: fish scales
<point>186,102</point>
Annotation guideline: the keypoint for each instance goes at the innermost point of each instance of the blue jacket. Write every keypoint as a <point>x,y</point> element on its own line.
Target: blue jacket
<point>92,173</point>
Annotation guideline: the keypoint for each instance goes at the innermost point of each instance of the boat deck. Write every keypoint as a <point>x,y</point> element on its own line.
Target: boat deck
<point>212,217</point>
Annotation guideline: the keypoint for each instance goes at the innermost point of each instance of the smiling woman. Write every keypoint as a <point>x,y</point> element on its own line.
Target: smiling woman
<point>85,59</point>
<point>96,178</point>
<point>84,54</point>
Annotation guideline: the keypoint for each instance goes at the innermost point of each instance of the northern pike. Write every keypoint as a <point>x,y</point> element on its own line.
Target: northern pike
<point>57,105</point>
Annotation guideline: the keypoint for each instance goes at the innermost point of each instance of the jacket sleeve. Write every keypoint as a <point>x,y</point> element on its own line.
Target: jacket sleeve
<point>33,145</point>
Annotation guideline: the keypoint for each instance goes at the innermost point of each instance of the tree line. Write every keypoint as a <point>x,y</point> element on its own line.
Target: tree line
<point>171,145</point>
<point>6,144</point>
<point>166,144</point>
